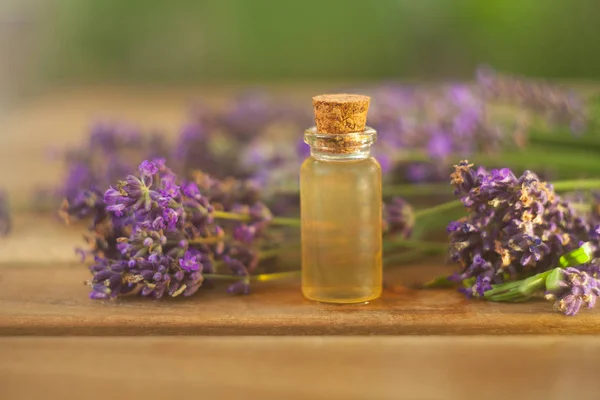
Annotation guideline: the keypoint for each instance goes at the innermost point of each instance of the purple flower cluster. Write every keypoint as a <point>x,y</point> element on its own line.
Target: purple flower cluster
<point>557,105</point>
<point>438,123</point>
<point>154,235</point>
<point>5,221</point>
<point>255,136</point>
<point>572,289</point>
<point>515,227</point>
<point>112,151</point>
<point>398,218</point>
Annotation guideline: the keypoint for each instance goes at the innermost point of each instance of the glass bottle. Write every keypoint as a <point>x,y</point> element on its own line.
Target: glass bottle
<point>340,190</point>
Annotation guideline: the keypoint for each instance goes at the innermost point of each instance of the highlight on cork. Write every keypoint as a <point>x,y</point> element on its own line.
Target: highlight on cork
<point>341,113</point>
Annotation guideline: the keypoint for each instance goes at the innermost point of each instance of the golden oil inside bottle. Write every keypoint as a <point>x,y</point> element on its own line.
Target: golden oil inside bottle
<point>341,229</point>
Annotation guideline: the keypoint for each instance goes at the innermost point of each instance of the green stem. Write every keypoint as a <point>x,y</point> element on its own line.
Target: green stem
<point>405,257</point>
<point>208,240</point>
<point>567,185</point>
<point>562,140</point>
<point>581,184</point>
<point>254,278</point>
<point>439,283</point>
<point>443,189</point>
<point>536,158</point>
<point>420,189</point>
<point>244,217</point>
<point>517,291</point>
<point>222,277</point>
<point>434,247</point>
<point>286,221</point>
<point>275,276</point>
<point>440,208</point>
<point>231,216</point>
<point>265,255</point>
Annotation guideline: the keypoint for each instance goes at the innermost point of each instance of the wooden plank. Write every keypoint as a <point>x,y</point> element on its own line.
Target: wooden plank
<point>41,239</point>
<point>42,293</point>
<point>300,368</point>
<point>50,299</point>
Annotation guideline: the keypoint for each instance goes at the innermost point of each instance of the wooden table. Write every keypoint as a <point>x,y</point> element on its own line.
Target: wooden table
<point>56,343</point>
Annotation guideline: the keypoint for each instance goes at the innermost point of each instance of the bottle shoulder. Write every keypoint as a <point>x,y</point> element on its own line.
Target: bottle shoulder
<point>367,165</point>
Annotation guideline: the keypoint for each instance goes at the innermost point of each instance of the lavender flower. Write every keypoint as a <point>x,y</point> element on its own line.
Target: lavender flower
<point>570,289</point>
<point>85,204</point>
<point>398,218</point>
<point>153,277</point>
<point>156,236</point>
<point>112,151</point>
<point>556,105</point>
<point>515,226</point>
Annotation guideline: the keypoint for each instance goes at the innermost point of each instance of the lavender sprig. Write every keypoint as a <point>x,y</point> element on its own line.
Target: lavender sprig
<point>555,104</point>
<point>522,290</point>
<point>398,218</point>
<point>515,227</point>
<point>156,236</point>
<point>570,289</point>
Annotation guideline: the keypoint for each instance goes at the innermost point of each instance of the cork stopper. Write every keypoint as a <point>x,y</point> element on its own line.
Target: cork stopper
<point>341,113</point>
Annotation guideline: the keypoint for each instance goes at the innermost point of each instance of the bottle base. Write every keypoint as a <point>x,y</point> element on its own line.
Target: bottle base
<point>342,295</point>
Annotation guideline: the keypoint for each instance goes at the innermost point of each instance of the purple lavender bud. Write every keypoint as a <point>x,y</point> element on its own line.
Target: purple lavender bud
<point>189,262</point>
<point>260,212</point>
<point>236,266</point>
<point>117,209</point>
<point>112,196</point>
<point>147,274</point>
<point>482,285</point>
<point>398,217</point>
<point>572,288</point>
<point>302,149</point>
<point>418,172</point>
<point>169,189</point>
<point>244,233</point>
<point>440,145</point>
<point>148,168</point>
<point>462,96</point>
<point>239,287</point>
<point>179,275</point>
<point>385,161</point>
<point>171,217</point>
<point>465,178</point>
<point>158,224</point>
<point>99,295</point>
<point>192,288</point>
<point>465,123</point>
<point>190,189</point>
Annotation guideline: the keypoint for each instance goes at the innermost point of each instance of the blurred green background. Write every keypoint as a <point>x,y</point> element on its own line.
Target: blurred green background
<point>59,41</point>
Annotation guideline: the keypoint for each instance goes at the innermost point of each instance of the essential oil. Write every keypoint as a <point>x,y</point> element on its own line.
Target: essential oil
<point>340,189</point>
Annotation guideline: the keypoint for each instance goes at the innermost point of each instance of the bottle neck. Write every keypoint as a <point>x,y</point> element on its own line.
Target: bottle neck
<point>355,154</point>
<point>340,147</point>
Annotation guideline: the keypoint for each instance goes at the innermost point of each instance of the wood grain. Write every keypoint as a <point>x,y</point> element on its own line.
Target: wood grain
<point>44,300</point>
<point>300,368</point>
<point>42,293</point>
